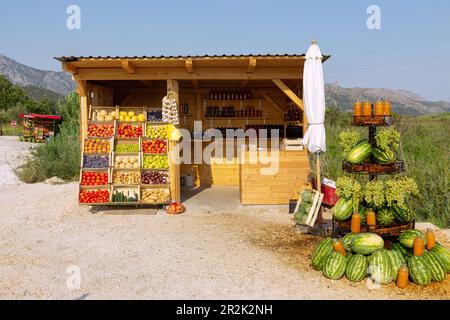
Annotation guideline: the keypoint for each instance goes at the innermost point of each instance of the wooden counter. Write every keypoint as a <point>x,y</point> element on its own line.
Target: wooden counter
<point>259,187</point>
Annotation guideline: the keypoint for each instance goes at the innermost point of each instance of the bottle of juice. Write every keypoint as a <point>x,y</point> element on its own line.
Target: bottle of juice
<point>431,239</point>
<point>418,246</point>
<point>402,276</point>
<point>338,246</point>
<point>379,108</point>
<point>356,223</point>
<point>387,108</point>
<point>371,218</point>
<point>357,108</point>
<point>367,109</point>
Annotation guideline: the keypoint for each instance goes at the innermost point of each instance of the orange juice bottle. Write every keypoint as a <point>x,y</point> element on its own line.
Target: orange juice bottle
<point>402,276</point>
<point>379,108</point>
<point>431,239</point>
<point>418,246</point>
<point>371,218</point>
<point>338,246</point>
<point>367,109</point>
<point>357,109</point>
<point>387,108</point>
<point>356,223</point>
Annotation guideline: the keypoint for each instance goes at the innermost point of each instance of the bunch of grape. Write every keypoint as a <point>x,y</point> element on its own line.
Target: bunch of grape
<point>127,148</point>
<point>388,139</point>
<point>156,162</point>
<point>154,116</point>
<point>397,190</point>
<point>349,189</point>
<point>374,194</point>
<point>157,132</point>
<point>348,139</point>
<point>94,162</point>
<point>155,177</point>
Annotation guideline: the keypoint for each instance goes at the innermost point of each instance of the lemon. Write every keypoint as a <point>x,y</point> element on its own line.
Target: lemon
<point>127,118</point>
<point>131,114</point>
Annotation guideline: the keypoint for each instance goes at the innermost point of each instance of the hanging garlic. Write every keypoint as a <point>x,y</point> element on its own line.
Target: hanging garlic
<point>170,109</point>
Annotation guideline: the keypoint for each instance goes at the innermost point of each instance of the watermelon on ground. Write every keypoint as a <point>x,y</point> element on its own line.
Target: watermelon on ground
<point>418,270</point>
<point>380,267</point>
<point>335,266</point>
<point>321,253</point>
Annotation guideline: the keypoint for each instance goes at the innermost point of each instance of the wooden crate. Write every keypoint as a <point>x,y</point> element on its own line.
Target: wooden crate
<point>94,188</point>
<point>148,187</point>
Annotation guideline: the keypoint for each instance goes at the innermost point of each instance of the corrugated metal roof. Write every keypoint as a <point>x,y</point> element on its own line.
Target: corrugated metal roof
<point>77,58</point>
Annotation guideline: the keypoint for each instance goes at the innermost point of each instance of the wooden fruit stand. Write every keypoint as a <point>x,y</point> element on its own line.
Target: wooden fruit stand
<point>37,127</point>
<point>222,92</point>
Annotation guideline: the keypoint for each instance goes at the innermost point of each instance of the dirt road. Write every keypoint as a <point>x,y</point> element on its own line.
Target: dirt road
<point>46,238</point>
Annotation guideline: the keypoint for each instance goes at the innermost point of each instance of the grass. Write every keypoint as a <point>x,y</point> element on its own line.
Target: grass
<point>425,144</point>
<point>9,131</point>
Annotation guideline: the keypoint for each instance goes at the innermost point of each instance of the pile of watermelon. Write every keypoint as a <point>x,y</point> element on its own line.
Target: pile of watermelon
<point>367,257</point>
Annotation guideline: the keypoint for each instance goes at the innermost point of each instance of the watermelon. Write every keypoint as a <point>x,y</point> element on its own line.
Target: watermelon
<point>335,266</point>
<point>321,253</point>
<point>359,153</point>
<point>443,254</point>
<point>406,253</point>
<point>418,271</point>
<point>385,217</point>
<point>383,157</point>
<point>343,209</point>
<point>367,243</point>
<point>347,241</point>
<point>438,273</point>
<point>356,268</point>
<point>380,267</point>
<point>406,238</point>
<point>397,260</point>
<point>402,215</point>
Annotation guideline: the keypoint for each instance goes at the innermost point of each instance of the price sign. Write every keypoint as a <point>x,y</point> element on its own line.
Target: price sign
<point>14,123</point>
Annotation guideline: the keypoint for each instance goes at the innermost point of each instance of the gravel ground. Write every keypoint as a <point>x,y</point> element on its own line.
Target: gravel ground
<point>246,254</point>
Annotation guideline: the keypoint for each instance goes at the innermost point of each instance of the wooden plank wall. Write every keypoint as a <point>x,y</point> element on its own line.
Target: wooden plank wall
<point>100,95</point>
<point>257,188</point>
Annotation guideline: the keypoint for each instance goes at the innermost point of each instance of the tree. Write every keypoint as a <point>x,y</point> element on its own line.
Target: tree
<point>11,95</point>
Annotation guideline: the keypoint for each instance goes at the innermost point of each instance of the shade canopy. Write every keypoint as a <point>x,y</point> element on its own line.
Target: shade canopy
<point>314,100</point>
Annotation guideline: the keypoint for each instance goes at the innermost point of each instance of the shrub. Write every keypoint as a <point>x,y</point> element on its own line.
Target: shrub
<point>61,155</point>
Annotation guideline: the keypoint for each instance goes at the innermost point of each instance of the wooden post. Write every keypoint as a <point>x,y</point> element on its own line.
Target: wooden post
<point>82,92</point>
<point>174,166</point>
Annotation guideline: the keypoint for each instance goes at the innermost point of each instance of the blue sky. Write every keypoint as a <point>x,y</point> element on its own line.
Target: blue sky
<point>410,51</point>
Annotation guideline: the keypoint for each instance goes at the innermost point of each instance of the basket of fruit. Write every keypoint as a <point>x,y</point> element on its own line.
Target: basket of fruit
<point>175,208</point>
<point>155,177</point>
<point>95,162</point>
<point>124,146</point>
<point>94,196</point>
<point>94,178</point>
<point>129,131</point>
<point>126,161</point>
<point>101,130</point>
<point>155,195</point>
<point>155,162</point>
<point>157,132</point>
<point>154,146</point>
<point>125,195</point>
<point>135,115</point>
<point>122,177</point>
<point>97,146</point>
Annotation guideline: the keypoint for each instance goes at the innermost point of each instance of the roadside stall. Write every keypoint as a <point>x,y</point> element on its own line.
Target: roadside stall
<point>39,127</point>
<point>127,143</point>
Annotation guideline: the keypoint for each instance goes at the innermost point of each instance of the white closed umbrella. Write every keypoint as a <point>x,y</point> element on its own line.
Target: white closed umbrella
<point>314,104</point>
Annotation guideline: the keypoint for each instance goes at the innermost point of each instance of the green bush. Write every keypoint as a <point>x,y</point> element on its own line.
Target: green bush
<point>59,157</point>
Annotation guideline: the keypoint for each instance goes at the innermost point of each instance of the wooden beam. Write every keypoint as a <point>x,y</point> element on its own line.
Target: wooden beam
<point>67,67</point>
<point>128,67</point>
<point>174,166</point>
<point>251,65</point>
<point>229,73</point>
<point>189,65</point>
<point>271,101</point>
<point>288,92</point>
<point>82,92</point>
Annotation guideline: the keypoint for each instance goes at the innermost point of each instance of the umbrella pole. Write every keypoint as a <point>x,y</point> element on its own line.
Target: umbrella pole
<point>319,185</point>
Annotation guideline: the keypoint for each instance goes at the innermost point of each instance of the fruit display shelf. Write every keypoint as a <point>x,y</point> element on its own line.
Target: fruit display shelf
<point>394,230</point>
<point>374,168</point>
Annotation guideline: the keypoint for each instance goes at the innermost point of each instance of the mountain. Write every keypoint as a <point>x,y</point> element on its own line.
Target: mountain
<point>39,94</point>
<point>403,101</point>
<point>25,76</point>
